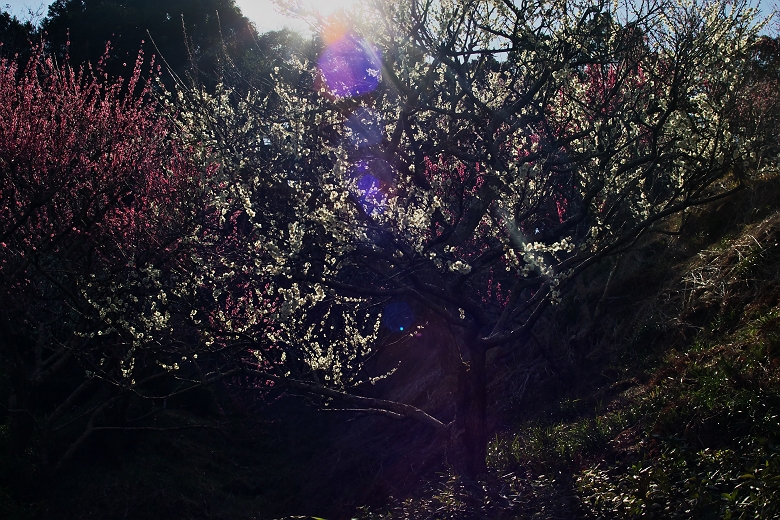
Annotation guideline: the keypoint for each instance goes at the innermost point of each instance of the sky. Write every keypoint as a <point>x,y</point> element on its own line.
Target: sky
<point>264,13</point>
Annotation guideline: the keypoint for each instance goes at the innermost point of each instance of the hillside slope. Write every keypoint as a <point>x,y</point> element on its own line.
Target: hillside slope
<point>660,398</point>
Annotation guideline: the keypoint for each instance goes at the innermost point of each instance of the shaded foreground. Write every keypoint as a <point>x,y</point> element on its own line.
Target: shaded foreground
<point>669,406</point>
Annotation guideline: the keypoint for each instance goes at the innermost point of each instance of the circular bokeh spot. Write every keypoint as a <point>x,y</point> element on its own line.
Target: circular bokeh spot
<point>374,179</point>
<point>371,197</point>
<point>364,127</point>
<point>397,316</point>
<point>350,67</point>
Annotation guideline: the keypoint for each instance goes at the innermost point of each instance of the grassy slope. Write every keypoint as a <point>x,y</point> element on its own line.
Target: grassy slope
<point>670,408</point>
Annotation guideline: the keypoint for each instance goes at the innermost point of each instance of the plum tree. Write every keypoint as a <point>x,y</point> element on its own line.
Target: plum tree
<point>468,161</point>
<point>97,199</point>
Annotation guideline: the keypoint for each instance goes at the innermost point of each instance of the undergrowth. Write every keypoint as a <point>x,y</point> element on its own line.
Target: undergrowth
<point>691,429</point>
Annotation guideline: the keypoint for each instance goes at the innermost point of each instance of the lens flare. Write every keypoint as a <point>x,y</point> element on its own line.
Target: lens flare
<point>364,128</point>
<point>324,7</point>
<point>371,197</point>
<point>397,316</point>
<point>350,67</point>
<point>374,180</point>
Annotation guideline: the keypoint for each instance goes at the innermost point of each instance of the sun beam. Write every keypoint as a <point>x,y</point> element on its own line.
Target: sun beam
<point>303,16</point>
<point>323,8</point>
<point>328,7</point>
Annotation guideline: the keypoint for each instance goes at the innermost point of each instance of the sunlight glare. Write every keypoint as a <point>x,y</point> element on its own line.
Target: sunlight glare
<point>326,8</point>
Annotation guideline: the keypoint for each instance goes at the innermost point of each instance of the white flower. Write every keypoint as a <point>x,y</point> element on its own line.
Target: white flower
<point>460,267</point>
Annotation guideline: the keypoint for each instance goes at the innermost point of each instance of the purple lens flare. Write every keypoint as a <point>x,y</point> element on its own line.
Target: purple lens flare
<point>398,316</point>
<point>364,127</point>
<point>350,67</point>
<point>375,181</point>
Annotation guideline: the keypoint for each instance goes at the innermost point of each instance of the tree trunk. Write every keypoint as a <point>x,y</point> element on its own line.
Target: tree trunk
<point>469,435</point>
<point>21,424</point>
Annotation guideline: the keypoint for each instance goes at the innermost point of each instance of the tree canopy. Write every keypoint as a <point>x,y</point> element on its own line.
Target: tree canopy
<point>194,37</point>
<point>460,164</point>
<point>15,36</point>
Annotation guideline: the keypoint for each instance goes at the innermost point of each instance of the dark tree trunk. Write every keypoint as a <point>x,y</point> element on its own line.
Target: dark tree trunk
<point>462,360</point>
<point>469,434</point>
<point>21,424</point>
